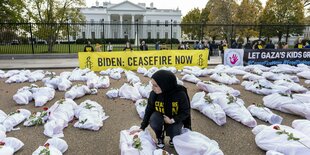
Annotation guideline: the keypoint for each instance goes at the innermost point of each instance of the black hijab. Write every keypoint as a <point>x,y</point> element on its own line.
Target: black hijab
<point>166,80</point>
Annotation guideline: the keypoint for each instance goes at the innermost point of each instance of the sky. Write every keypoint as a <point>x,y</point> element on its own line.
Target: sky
<point>184,5</point>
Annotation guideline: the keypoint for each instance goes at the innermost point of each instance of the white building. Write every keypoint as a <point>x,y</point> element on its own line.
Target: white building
<point>120,21</point>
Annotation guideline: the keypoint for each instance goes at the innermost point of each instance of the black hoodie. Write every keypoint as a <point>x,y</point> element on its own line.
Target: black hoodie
<point>172,102</point>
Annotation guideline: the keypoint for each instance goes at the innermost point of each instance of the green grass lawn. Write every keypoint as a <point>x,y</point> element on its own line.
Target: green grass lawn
<point>61,48</point>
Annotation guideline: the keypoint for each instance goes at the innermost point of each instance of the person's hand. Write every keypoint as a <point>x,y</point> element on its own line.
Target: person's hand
<point>168,120</point>
<point>134,131</point>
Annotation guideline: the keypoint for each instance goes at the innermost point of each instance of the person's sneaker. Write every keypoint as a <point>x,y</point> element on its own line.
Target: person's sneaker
<point>160,144</point>
<point>171,143</point>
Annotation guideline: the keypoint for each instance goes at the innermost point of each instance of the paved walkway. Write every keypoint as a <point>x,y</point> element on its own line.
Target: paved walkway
<point>45,63</point>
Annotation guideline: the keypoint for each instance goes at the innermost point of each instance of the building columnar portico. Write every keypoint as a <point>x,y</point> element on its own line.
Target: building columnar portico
<point>125,19</point>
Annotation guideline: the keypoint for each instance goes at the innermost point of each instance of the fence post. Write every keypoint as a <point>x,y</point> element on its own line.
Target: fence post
<point>68,35</point>
<point>31,39</point>
<point>232,34</point>
<point>171,34</point>
<point>287,32</point>
<point>137,35</point>
<point>260,31</point>
<point>103,35</point>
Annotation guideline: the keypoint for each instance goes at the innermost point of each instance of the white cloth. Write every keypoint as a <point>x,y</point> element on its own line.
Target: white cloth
<point>129,92</point>
<point>140,107</point>
<point>112,93</point>
<point>23,95</point>
<point>132,77</point>
<point>194,143</point>
<point>18,78</point>
<point>298,104</point>
<point>267,139</point>
<point>264,87</point>
<point>212,87</point>
<point>42,95</point>
<point>141,70</point>
<point>293,87</point>
<point>55,128</point>
<point>115,73</point>
<point>126,142</point>
<point>304,74</point>
<point>211,110</point>
<point>279,76</point>
<point>302,125</point>
<point>271,152</point>
<point>32,120</point>
<point>191,78</point>
<point>144,89</point>
<point>105,72</point>
<point>91,115</point>
<point>307,82</point>
<point>10,73</point>
<point>252,77</point>
<point>77,91</point>
<point>35,76</point>
<point>77,74</point>
<point>234,108</point>
<point>58,143</point>
<point>99,82</point>
<point>10,121</point>
<point>150,72</point>
<point>225,78</point>
<point>11,146</point>
<point>265,114</point>
<point>160,152</point>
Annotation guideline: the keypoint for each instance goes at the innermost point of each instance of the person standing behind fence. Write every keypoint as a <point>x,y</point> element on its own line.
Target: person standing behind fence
<point>128,47</point>
<point>88,48</point>
<point>270,45</point>
<point>109,47</point>
<point>98,47</point>
<point>157,45</point>
<point>258,45</point>
<point>299,44</point>
<point>143,46</point>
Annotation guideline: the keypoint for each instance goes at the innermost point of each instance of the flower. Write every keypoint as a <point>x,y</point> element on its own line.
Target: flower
<point>137,144</point>
<point>2,143</point>
<point>276,127</point>
<point>45,108</point>
<point>17,111</point>
<point>47,145</point>
<point>135,136</point>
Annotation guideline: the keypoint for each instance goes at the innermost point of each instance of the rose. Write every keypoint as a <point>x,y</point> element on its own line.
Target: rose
<point>276,127</point>
<point>2,143</point>
<point>135,136</point>
<point>17,111</point>
<point>47,145</point>
<point>45,108</point>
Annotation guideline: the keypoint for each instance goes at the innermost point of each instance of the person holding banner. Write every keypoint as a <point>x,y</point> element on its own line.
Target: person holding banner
<point>88,47</point>
<point>299,44</point>
<point>128,46</point>
<point>168,108</point>
<point>258,45</point>
<point>109,47</point>
<point>98,47</point>
<point>143,46</point>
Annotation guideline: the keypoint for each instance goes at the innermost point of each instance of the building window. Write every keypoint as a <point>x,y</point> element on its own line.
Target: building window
<point>115,35</point>
<point>157,36</point>
<point>166,23</point>
<point>174,35</point>
<point>149,23</point>
<point>175,23</point>
<point>83,35</point>
<point>92,21</point>
<point>157,22</point>
<point>93,35</point>
<point>101,33</point>
<point>102,20</point>
<point>149,35</point>
<point>166,35</point>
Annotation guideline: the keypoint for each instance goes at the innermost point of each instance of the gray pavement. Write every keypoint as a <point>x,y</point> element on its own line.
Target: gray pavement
<point>53,62</point>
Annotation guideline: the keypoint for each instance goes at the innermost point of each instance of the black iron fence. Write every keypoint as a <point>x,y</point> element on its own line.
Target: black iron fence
<point>33,38</point>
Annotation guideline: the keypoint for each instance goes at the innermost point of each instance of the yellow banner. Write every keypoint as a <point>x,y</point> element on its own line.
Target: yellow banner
<point>98,61</point>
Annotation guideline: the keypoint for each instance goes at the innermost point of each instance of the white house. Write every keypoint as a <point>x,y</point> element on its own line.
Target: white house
<point>123,20</point>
